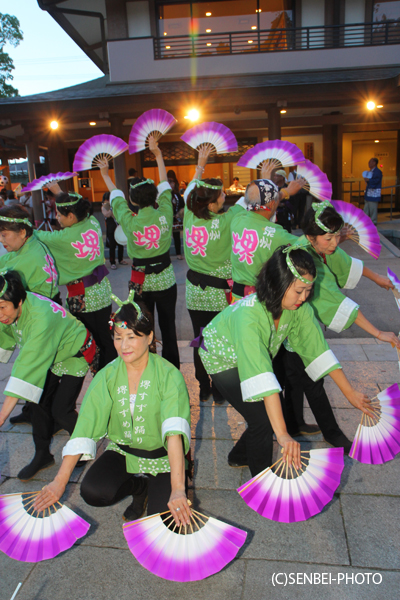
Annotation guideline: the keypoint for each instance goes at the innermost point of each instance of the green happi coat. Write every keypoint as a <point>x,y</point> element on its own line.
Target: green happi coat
<point>148,233</point>
<point>35,265</point>
<point>331,306</point>
<point>207,245</point>
<point>161,409</point>
<point>254,239</point>
<point>48,338</point>
<point>243,336</point>
<point>78,250</point>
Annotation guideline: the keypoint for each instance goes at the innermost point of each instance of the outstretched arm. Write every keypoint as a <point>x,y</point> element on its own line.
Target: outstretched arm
<point>357,399</point>
<point>202,159</point>
<point>383,336</point>
<point>8,407</point>
<point>383,282</point>
<point>291,448</point>
<point>53,491</point>
<point>162,171</point>
<point>178,503</point>
<point>104,170</point>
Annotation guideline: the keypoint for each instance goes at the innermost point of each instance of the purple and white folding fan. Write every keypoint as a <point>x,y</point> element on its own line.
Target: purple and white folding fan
<point>46,180</point>
<point>96,148</point>
<point>318,183</point>
<point>396,282</point>
<point>283,494</point>
<point>215,136</point>
<point>377,438</point>
<point>192,553</point>
<point>360,227</point>
<point>156,122</point>
<point>30,536</point>
<point>276,153</point>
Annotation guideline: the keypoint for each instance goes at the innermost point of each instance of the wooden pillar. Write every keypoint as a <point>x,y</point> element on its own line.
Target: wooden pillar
<point>58,156</point>
<point>274,123</point>
<point>117,21</point>
<point>332,136</point>
<point>120,173</point>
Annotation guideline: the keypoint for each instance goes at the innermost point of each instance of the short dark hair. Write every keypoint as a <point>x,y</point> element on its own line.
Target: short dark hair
<point>106,197</point>
<point>15,291</point>
<point>275,277</point>
<point>144,195</point>
<point>200,197</point>
<point>10,195</point>
<point>140,327</point>
<point>236,179</point>
<point>81,209</point>
<point>132,172</point>
<point>330,218</point>
<point>376,161</point>
<point>15,212</point>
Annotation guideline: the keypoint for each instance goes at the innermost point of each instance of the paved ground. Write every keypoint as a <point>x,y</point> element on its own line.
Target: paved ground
<point>354,540</point>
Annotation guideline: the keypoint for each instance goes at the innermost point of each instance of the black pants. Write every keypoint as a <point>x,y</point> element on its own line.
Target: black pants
<point>107,482</point>
<point>255,445</point>
<point>165,302</point>
<point>57,403</point>
<point>97,323</point>
<point>201,318</point>
<point>297,383</point>
<point>176,234</point>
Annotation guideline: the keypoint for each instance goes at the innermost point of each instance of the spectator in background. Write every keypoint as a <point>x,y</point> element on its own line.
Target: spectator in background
<point>11,199</point>
<point>178,205</point>
<point>111,226</point>
<point>236,187</point>
<point>3,196</point>
<point>298,202</point>
<point>183,187</point>
<point>26,201</point>
<point>284,212</point>
<point>372,196</point>
<point>51,209</point>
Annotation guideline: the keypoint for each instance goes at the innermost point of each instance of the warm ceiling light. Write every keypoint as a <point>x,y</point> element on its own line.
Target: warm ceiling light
<point>167,47</point>
<point>249,41</point>
<point>376,141</point>
<point>283,111</point>
<point>54,125</point>
<point>258,9</point>
<point>379,106</point>
<point>208,14</point>
<point>92,123</point>
<point>254,27</point>
<point>209,44</point>
<point>370,105</point>
<point>208,30</point>
<point>165,33</point>
<point>193,115</point>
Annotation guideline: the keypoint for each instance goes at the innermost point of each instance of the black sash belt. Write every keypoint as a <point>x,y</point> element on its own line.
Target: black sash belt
<point>206,280</point>
<point>156,264</point>
<point>238,289</point>
<point>157,453</point>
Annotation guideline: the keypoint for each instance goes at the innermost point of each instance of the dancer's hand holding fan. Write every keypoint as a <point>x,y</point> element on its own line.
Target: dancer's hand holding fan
<point>215,137</point>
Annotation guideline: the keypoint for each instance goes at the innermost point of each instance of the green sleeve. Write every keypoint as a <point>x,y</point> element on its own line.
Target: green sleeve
<point>347,270</point>
<point>165,204</point>
<point>122,213</point>
<point>175,408</point>
<point>54,240</point>
<point>7,343</point>
<point>306,338</point>
<point>331,306</point>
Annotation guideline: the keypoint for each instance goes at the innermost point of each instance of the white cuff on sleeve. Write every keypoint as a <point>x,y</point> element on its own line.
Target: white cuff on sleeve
<point>5,355</point>
<point>322,364</point>
<point>116,194</point>
<point>342,315</point>
<point>264,383</point>
<point>175,424</point>
<point>356,271</point>
<point>163,186</point>
<point>23,389</point>
<point>241,202</point>
<point>84,446</point>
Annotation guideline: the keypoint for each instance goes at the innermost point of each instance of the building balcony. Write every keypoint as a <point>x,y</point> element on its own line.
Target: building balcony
<point>355,46</point>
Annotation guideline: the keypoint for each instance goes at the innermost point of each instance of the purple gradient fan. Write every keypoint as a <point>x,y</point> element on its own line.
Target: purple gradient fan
<point>286,495</point>
<point>377,438</point>
<point>46,180</point>
<point>29,536</point>
<point>396,291</point>
<point>214,136</point>
<point>361,228</point>
<point>281,153</point>
<point>318,183</point>
<point>155,121</point>
<point>204,548</point>
<point>96,148</point>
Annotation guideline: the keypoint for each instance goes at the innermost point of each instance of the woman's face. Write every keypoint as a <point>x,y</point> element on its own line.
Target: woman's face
<point>66,220</point>
<point>325,244</point>
<point>131,348</point>
<point>12,240</point>
<point>8,312</point>
<point>297,293</point>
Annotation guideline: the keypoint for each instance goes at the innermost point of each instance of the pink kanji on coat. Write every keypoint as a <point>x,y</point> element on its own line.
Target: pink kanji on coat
<point>246,245</point>
<point>50,269</point>
<point>90,245</point>
<point>197,239</point>
<point>149,238</point>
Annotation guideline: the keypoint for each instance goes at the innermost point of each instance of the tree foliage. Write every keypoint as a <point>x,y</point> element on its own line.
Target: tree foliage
<point>10,33</point>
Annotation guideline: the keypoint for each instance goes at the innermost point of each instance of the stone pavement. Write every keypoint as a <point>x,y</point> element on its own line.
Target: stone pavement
<point>355,535</point>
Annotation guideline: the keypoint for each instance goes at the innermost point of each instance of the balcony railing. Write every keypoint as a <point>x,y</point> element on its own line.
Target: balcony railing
<point>278,40</point>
